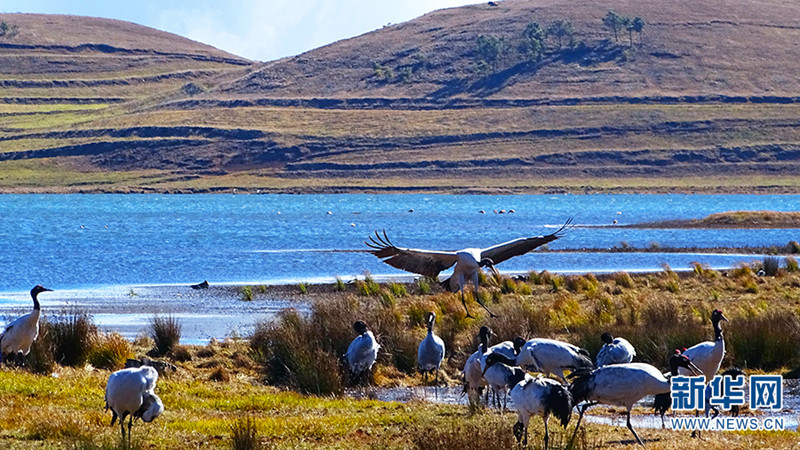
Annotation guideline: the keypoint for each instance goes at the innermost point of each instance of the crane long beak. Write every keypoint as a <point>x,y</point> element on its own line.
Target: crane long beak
<point>46,290</point>
<point>722,316</point>
<point>694,369</point>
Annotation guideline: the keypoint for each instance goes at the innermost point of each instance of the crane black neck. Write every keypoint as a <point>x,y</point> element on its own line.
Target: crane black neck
<point>36,306</point>
<point>717,330</point>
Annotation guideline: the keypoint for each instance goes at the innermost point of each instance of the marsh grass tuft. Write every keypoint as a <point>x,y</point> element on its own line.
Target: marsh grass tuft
<point>73,334</point>
<point>303,288</point>
<point>791,265</point>
<point>424,285</point>
<point>770,265</point>
<point>398,289</point>
<point>247,293</point>
<point>292,354</point>
<point>166,333</point>
<point>244,434</point>
<point>111,352</point>
<point>339,286</point>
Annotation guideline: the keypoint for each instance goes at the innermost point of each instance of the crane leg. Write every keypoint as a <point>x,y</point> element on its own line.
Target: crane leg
<point>464,302</point>
<point>480,302</point>
<point>581,410</point>
<point>546,435</point>
<point>638,439</point>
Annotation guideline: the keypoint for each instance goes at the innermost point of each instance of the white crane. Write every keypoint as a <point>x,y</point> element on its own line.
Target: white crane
<point>540,396</point>
<point>362,352</point>
<point>623,385</point>
<point>19,335</point>
<point>130,392</point>
<point>615,351</point>
<point>550,356</point>
<point>468,262</point>
<point>431,351</point>
<point>708,355</point>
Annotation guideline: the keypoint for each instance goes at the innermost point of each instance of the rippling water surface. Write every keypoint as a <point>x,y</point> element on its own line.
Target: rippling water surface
<point>86,241</point>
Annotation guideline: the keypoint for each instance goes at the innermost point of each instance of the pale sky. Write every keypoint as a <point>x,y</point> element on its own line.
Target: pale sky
<point>261,30</point>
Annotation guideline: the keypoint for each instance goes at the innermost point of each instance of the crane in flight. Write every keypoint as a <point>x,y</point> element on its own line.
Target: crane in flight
<point>468,262</point>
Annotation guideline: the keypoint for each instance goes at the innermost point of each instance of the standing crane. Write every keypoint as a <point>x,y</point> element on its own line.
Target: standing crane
<point>19,335</point>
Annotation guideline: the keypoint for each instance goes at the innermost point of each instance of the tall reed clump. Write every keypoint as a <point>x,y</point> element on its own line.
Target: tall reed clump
<point>73,334</point>
<point>294,354</point>
<point>244,435</point>
<point>111,352</point>
<point>765,339</point>
<point>166,333</point>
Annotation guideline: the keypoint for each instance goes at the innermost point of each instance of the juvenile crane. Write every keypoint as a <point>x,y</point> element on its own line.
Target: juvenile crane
<point>19,335</point>
<point>431,351</point>
<point>615,351</point>
<point>362,352</point>
<point>468,262</point>
<point>130,392</point>
<point>708,355</point>
<point>623,385</point>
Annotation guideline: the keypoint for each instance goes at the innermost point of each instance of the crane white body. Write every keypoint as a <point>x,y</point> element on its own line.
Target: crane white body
<point>540,396</point>
<point>19,335</point>
<point>431,350</point>
<point>708,356</point>
<point>550,356</point>
<point>619,351</point>
<point>623,385</point>
<point>131,392</point>
<point>363,350</point>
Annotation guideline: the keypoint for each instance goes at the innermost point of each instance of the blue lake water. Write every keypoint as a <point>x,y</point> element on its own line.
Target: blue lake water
<point>91,241</point>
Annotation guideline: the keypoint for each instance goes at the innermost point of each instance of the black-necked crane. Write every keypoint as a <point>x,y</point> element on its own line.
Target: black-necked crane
<point>19,335</point>
<point>362,352</point>
<point>615,351</point>
<point>502,374</point>
<point>131,392</point>
<point>540,396</point>
<point>431,351</point>
<point>623,385</point>
<point>708,355</point>
<point>473,369</point>
<point>550,356</point>
<point>468,262</point>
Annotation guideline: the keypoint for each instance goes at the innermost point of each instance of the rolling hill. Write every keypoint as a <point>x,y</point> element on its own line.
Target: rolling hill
<point>704,99</point>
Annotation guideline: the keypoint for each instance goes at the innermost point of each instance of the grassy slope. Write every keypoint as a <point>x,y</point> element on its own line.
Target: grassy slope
<point>443,135</point>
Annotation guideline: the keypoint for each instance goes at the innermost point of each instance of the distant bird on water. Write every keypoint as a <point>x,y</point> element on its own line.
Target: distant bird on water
<point>362,352</point>
<point>19,336</point>
<point>431,351</point>
<point>468,262</point>
<point>130,392</point>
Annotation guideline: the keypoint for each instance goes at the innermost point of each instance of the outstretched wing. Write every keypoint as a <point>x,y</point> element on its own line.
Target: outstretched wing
<point>510,249</point>
<point>423,262</point>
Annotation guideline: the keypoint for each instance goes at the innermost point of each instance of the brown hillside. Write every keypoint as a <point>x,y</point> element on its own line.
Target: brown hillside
<point>707,102</point>
<point>735,47</point>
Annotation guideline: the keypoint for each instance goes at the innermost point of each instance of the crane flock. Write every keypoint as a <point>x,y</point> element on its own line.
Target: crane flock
<point>504,367</point>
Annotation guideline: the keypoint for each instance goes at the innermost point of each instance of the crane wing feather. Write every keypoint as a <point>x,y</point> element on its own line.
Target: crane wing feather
<point>423,262</point>
<point>510,249</point>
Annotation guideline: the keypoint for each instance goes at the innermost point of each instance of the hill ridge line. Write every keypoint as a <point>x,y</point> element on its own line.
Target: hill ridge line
<point>106,48</point>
